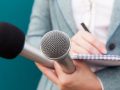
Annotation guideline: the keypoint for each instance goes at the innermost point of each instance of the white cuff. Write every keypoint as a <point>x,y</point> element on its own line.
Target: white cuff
<point>101,83</point>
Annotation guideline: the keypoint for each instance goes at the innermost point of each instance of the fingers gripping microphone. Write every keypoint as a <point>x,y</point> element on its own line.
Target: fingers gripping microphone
<point>56,45</point>
<point>12,44</point>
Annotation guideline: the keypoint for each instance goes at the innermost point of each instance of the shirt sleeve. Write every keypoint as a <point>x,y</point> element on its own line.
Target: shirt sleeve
<point>101,83</point>
<point>110,78</point>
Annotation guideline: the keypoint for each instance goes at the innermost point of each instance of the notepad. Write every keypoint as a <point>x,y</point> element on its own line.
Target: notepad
<point>106,60</point>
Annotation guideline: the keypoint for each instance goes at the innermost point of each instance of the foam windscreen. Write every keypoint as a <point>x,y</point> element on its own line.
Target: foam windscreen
<point>11,40</point>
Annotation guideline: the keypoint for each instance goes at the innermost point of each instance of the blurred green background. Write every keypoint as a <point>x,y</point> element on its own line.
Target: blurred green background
<point>20,73</point>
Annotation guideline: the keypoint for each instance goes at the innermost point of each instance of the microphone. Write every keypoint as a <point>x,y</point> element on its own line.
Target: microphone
<point>12,44</point>
<point>56,45</point>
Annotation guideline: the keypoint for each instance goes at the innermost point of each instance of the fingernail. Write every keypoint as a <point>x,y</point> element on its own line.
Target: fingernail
<point>104,51</point>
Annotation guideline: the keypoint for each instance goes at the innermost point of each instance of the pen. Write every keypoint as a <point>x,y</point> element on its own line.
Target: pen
<point>85,27</point>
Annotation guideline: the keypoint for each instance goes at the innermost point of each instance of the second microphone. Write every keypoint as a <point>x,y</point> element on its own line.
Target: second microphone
<point>55,45</point>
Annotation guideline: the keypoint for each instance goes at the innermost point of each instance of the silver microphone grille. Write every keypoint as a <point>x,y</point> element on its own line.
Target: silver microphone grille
<point>55,44</point>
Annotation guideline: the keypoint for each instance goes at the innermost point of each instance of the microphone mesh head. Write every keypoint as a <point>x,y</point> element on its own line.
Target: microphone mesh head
<point>55,44</point>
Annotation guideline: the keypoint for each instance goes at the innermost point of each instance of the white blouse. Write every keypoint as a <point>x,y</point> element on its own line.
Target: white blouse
<point>96,14</point>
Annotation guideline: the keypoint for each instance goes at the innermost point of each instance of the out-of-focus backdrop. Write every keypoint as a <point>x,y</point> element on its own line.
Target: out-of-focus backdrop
<point>20,73</point>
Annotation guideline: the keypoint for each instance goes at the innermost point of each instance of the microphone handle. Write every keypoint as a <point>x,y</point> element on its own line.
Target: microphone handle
<point>33,54</point>
<point>67,65</point>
